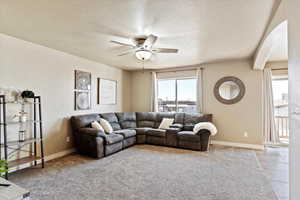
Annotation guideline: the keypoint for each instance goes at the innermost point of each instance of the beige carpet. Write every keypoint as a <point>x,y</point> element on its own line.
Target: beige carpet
<point>151,173</point>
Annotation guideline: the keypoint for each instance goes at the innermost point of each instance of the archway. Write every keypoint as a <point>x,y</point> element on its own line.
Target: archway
<point>274,46</point>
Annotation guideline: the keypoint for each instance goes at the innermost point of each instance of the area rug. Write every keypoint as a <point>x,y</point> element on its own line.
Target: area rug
<point>146,172</point>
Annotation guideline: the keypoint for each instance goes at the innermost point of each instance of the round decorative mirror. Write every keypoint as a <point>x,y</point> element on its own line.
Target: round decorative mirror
<point>229,90</point>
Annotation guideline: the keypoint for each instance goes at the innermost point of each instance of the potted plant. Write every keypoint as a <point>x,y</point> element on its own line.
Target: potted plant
<point>3,169</point>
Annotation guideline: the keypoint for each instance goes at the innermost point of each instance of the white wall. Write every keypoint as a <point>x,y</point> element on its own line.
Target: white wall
<point>50,73</point>
<point>294,96</point>
<point>231,120</point>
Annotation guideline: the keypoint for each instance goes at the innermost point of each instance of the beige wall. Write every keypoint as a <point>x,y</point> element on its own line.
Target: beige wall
<point>141,91</point>
<point>50,73</point>
<point>232,120</point>
<point>245,116</point>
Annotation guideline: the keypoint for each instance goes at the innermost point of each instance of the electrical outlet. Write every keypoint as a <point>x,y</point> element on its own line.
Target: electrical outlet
<point>245,134</point>
<point>68,139</point>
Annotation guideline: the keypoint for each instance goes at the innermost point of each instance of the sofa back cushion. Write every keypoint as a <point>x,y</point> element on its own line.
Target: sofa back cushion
<point>161,115</point>
<point>190,119</point>
<point>179,118</point>
<point>112,119</point>
<point>83,121</point>
<point>127,120</point>
<point>146,119</point>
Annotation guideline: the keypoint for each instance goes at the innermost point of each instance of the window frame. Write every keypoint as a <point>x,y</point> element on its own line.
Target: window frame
<point>176,88</point>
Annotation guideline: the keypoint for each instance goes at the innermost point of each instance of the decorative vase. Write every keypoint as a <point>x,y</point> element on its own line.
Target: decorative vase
<point>22,116</point>
<point>22,135</point>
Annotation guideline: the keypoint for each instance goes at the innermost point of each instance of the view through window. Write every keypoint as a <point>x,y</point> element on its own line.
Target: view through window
<point>177,95</point>
<point>280,95</point>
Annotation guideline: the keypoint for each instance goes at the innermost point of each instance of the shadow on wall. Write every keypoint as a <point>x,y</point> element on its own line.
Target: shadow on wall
<point>59,136</point>
<point>126,91</point>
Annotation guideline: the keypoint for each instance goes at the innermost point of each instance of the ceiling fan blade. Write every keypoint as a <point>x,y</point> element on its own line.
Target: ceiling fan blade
<point>151,39</point>
<point>165,50</point>
<point>122,43</point>
<point>127,52</point>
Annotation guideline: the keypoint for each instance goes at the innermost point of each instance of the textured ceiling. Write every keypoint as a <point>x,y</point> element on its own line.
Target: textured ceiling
<point>202,30</point>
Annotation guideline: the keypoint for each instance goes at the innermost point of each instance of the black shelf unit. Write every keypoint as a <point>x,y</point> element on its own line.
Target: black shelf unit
<point>16,145</point>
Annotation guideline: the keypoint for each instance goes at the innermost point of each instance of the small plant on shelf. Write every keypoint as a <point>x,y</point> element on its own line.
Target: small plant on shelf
<point>3,169</point>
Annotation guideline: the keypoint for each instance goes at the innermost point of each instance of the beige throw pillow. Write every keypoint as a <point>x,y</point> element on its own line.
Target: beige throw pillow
<point>166,123</point>
<point>97,126</point>
<point>106,126</point>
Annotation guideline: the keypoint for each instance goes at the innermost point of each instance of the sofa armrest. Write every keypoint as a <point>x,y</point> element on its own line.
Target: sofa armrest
<point>204,139</point>
<point>90,142</point>
<point>203,131</point>
<point>91,132</point>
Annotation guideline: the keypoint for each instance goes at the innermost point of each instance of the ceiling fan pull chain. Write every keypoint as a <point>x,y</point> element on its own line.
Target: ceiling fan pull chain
<point>143,65</point>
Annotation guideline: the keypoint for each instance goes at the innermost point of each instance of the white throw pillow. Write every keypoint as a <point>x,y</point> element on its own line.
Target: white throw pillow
<point>97,126</point>
<point>166,123</point>
<point>106,126</point>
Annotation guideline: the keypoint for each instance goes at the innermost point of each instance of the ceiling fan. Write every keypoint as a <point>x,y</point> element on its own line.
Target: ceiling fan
<point>142,47</point>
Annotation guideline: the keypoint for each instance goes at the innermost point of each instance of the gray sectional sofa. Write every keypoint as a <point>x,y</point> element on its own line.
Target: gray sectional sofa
<point>132,128</point>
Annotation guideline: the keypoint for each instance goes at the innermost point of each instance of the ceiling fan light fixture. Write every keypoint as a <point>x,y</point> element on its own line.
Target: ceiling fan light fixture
<point>143,54</point>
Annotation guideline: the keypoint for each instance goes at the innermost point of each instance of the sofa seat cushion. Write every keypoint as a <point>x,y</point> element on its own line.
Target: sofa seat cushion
<point>126,133</point>
<point>112,138</point>
<point>179,126</point>
<point>188,136</point>
<point>188,127</point>
<point>142,131</point>
<point>173,131</point>
<point>156,132</point>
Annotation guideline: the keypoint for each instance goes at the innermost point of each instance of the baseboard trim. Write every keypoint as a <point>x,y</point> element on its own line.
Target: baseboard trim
<point>59,154</point>
<point>47,158</point>
<point>240,145</point>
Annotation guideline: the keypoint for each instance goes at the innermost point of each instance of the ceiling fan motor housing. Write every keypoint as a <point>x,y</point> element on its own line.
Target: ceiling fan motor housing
<point>142,47</point>
<point>139,41</point>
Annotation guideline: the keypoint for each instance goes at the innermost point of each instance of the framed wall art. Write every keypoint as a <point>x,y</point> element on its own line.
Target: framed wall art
<point>107,92</point>
<point>82,100</point>
<point>82,90</point>
<point>83,80</point>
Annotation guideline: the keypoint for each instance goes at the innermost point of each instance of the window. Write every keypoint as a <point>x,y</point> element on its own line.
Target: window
<point>177,95</point>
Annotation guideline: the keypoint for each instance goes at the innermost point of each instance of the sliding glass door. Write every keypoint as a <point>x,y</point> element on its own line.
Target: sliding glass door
<point>280,94</point>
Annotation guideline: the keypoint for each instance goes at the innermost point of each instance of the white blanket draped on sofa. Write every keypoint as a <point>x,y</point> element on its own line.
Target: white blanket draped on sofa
<point>205,125</point>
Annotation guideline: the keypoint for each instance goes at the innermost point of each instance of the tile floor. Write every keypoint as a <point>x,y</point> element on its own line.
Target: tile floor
<point>275,162</point>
